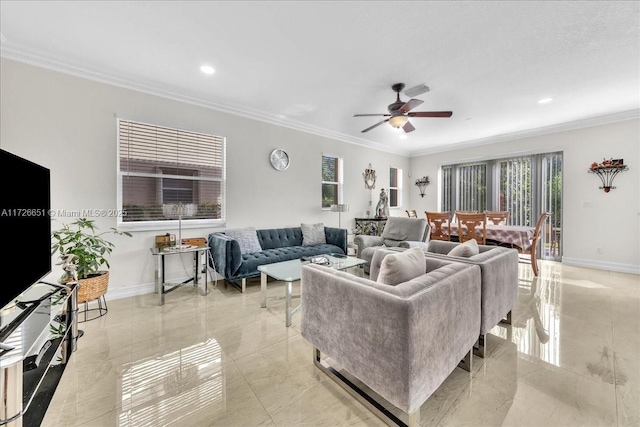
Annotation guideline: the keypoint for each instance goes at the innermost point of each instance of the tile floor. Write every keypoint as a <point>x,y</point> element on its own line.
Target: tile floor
<point>570,358</point>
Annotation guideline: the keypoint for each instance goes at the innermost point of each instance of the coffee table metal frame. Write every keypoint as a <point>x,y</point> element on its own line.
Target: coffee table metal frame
<point>290,271</point>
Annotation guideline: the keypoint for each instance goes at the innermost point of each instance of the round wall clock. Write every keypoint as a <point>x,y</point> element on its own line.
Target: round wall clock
<point>279,159</point>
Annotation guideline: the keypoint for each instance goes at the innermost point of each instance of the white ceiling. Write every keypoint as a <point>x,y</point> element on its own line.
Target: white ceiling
<point>313,65</point>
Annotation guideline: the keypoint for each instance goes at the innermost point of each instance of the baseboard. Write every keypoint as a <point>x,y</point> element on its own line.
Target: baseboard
<point>599,265</point>
<point>130,291</point>
<point>148,288</point>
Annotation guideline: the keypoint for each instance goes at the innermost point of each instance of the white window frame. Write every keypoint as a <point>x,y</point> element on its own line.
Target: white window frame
<point>398,189</point>
<point>168,223</point>
<point>339,184</point>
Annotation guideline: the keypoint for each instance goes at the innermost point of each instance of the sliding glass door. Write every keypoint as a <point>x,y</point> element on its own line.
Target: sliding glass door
<point>525,186</point>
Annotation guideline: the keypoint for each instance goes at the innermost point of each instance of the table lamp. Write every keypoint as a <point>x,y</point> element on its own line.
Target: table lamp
<point>179,210</point>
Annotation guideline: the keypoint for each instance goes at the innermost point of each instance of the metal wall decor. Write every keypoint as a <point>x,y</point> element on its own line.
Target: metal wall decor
<point>369,176</point>
<point>607,170</point>
<point>422,184</point>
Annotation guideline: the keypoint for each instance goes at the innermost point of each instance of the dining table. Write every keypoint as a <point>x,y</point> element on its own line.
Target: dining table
<point>516,235</point>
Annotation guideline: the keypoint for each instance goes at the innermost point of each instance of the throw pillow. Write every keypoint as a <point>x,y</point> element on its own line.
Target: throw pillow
<point>313,234</point>
<point>467,249</point>
<point>247,238</point>
<point>401,267</point>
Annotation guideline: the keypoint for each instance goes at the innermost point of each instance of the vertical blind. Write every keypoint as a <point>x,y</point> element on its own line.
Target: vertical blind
<point>525,186</point>
<point>472,187</point>
<point>161,167</point>
<point>515,192</point>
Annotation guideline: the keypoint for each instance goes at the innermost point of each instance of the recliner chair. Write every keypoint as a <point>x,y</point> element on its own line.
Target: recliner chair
<point>398,232</point>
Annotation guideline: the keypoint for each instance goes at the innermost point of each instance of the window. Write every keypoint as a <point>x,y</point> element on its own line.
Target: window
<point>165,173</point>
<point>395,187</point>
<point>331,181</point>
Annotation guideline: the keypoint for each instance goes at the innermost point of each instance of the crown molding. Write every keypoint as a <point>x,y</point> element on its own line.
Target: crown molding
<point>42,61</point>
<point>545,130</point>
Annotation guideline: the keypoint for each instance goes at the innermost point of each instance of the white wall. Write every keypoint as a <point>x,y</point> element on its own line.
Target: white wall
<point>68,124</point>
<point>592,218</point>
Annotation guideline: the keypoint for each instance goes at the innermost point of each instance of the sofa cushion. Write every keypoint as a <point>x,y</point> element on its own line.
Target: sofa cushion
<point>247,239</point>
<point>402,267</point>
<point>250,262</point>
<point>313,234</point>
<point>467,249</point>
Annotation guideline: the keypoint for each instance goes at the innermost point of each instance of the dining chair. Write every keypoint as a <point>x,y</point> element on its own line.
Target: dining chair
<point>497,217</point>
<point>529,255</point>
<point>412,213</point>
<point>436,220</point>
<point>468,223</point>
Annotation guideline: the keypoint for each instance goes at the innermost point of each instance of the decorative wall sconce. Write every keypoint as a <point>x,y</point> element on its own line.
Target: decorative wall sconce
<point>607,170</point>
<point>369,176</point>
<point>422,184</point>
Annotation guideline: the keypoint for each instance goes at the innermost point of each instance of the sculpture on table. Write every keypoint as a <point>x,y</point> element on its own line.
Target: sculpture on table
<point>70,269</point>
<point>382,208</point>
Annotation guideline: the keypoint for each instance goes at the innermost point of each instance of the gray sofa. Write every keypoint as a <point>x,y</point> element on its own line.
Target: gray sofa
<point>401,341</point>
<point>499,274</point>
<point>398,232</point>
<point>278,244</point>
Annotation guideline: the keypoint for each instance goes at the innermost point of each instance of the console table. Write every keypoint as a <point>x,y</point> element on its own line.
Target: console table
<point>370,226</point>
<point>162,287</point>
<point>37,336</point>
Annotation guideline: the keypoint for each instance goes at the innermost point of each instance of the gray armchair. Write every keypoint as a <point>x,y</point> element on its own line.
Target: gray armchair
<point>398,232</point>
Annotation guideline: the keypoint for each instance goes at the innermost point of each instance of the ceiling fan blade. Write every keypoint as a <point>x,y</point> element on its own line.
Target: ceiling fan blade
<point>416,90</point>
<point>376,125</point>
<point>430,114</point>
<point>408,127</point>
<point>369,115</point>
<point>410,105</point>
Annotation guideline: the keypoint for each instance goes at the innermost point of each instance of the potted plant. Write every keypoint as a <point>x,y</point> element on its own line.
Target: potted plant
<point>84,251</point>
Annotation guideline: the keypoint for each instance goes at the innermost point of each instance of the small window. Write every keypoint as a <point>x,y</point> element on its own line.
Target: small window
<point>331,181</point>
<point>395,187</point>
<point>164,171</point>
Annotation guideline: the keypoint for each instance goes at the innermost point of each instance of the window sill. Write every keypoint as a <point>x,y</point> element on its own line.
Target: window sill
<point>187,224</point>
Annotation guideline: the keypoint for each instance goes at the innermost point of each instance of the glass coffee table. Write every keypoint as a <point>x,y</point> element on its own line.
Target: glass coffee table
<point>290,271</point>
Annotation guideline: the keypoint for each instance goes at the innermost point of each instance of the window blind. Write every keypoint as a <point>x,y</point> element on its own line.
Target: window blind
<point>161,166</point>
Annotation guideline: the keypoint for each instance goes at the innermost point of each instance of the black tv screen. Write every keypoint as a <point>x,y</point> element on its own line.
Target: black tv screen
<point>25,200</point>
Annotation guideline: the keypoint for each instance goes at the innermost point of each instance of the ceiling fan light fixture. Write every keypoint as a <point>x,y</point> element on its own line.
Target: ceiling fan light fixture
<point>398,121</point>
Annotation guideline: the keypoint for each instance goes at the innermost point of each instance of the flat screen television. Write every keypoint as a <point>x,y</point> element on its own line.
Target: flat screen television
<point>25,224</point>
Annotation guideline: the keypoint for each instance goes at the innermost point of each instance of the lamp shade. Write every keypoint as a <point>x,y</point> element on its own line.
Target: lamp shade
<point>340,208</point>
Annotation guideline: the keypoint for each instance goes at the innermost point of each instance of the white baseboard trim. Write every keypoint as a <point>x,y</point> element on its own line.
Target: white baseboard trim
<point>130,291</point>
<point>612,266</point>
<point>148,288</point>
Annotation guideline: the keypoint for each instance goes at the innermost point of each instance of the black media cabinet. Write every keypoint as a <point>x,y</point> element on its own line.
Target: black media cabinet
<point>37,336</point>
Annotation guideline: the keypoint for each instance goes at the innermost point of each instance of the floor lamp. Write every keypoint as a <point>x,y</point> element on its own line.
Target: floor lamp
<point>340,208</point>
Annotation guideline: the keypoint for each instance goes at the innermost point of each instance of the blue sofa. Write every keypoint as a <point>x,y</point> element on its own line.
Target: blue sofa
<point>278,244</point>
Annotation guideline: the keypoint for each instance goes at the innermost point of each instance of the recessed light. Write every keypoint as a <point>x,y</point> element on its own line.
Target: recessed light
<point>545,100</point>
<point>207,69</point>
<point>403,136</point>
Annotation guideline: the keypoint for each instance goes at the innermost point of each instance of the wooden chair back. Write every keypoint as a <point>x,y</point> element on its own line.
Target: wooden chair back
<point>436,220</point>
<point>497,217</point>
<point>534,242</point>
<point>412,213</point>
<point>472,226</point>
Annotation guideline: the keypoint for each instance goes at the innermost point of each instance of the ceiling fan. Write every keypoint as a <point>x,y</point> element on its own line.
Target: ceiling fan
<point>400,111</point>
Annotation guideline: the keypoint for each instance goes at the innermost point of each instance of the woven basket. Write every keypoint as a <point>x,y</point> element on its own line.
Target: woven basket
<point>93,288</point>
